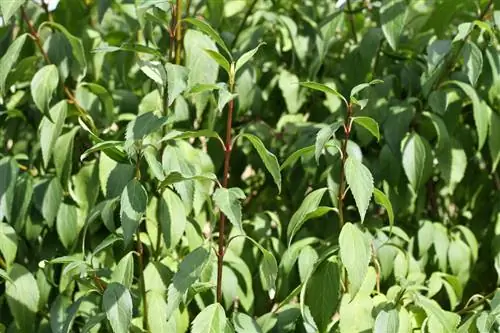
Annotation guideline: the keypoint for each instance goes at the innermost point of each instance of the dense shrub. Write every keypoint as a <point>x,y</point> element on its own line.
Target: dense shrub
<point>249,166</point>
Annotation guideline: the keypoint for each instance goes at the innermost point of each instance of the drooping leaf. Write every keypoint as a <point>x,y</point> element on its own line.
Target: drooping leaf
<point>355,254</point>
<point>10,57</point>
<point>296,155</point>
<point>211,319</point>
<point>494,140</point>
<point>228,201</point>
<point>157,319</point>
<point>268,266</point>
<point>113,176</point>
<point>43,87</point>
<point>8,175</point>
<point>368,123</point>
<point>360,180</point>
<point>172,217</point>
<point>360,87</point>
<point>51,130</point>
<point>143,125</point>
<point>117,304</point>
<point>417,161</point>
<point>133,204</point>
<point>104,96</point>
<point>392,20</point>
<point>310,204</point>
<point>439,319</point>
<point>383,200</point>
<point>270,161</point>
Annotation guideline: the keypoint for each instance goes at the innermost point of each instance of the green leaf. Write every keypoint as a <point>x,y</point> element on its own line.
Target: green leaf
<point>417,161</point>
<point>22,297</point>
<point>51,130</point>
<point>296,155</point>
<point>150,153</point>
<point>58,313</point>
<point>387,321</point>
<point>368,123</point>
<point>383,200</point>
<point>323,88</point>
<point>117,303</point>
<point>63,156</point>
<point>211,319</point>
<point>155,71</point>
<point>176,81</point>
<point>124,271</point>
<point>113,176</point>
<point>21,202</point>
<point>363,86</point>
<point>481,116</point>
<point>5,276</point>
<point>157,319</point>
<point>104,97</point>
<point>224,97</point>
<point>245,57</point>
<point>309,205</point>
<point>130,47</point>
<point>294,97</point>
<point>270,161</point>
<point>206,28</point>
<point>133,204</point>
<point>439,319</point>
<point>8,243</point>
<point>9,7</point>
<point>43,87</point>
<point>355,254</point>
<point>8,175</point>
<point>268,266</point>
<point>392,20</point>
<point>360,180</point>
<point>104,146</point>
<point>172,217</point>
<point>47,197</point>
<point>76,49</point>
<point>143,125</point>
<point>322,138</point>
<point>92,322</point>
<point>219,58</point>
<point>67,224</point>
<point>174,134</point>
<point>494,140</point>
<point>189,272</point>
<point>473,61</point>
<point>322,294</point>
<point>228,201</point>
<point>243,323</point>
<point>176,177</point>
<point>10,57</point>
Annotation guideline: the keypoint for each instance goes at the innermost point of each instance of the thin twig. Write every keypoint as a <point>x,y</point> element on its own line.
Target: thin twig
<point>476,304</point>
<point>243,22</point>
<point>351,20</point>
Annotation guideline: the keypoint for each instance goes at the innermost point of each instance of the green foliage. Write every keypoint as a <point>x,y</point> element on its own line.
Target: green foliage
<point>209,166</point>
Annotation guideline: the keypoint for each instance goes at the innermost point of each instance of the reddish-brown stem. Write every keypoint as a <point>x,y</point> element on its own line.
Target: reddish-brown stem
<point>225,180</point>
<point>347,131</point>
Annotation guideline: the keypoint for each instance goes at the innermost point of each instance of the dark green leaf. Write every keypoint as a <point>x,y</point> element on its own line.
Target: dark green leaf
<point>132,207</point>
<point>51,130</point>
<point>117,303</point>
<point>10,57</point>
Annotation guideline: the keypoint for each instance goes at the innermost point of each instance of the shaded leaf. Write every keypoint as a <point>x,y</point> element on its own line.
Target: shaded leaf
<point>228,201</point>
<point>132,206</point>
<point>172,217</point>
<point>392,20</point>
<point>51,130</point>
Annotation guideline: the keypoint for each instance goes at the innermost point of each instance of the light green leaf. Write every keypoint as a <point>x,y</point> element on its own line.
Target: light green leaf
<point>323,88</point>
<point>132,206</point>
<point>383,200</point>
<point>124,271</point>
<point>143,125</point>
<point>174,134</point>
<point>219,58</point>
<point>67,224</point>
<point>22,297</point>
<point>189,272</point>
<point>309,205</point>
<point>58,313</point>
<point>9,7</point>
<point>47,197</point>
<point>8,243</point>
<point>322,138</point>
<point>150,153</point>
<point>228,201</point>
<point>417,161</point>
<point>481,114</point>
<point>92,322</point>
<point>322,294</point>
<point>211,319</point>
<point>439,319</point>
<point>296,155</point>
<point>63,156</point>
<point>155,71</point>
<point>363,86</point>
<point>5,276</point>
<point>368,123</point>
<point>117,303</point>
<point>157,319</point>
<point>355,254</point>
<point>172,217</point>
<point>224,97</point>
<point>387,321</point>
<point>270,161</point>
<point>104,146</point>
<point>10,57</point>
<point>360,180</point>
<point>206,28</point>
<point>176,81</point>
<point>113,176</point>
<point>245,57</point>
<point>51,130</point>
<point>295,97</point>
<point>392,20</point>
<point>21,201</point>
<point>473,61</point>
<point>43,87</point>
<point>243,323</point>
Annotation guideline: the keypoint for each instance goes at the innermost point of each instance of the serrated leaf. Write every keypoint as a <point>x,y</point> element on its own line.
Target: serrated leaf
<point>392,20</point>
<point>22,296</point>
<point>43,87</point>
<point>310,204</point>
<point>417,161</point>
<point>51,130</point>
<point>117,304</point>
<point>360,180</point>
<point>176,81</point>
<point>383,200</point>
<point>172,217</point>
<point>355,254</point>
<point>270,161</point>
<point>323,88</point>
<point>133,204</point>
<point>10,58</point>
<point>189,272</point>
<point>228,201</point>
<point>368,123</point>
<point>211,319</point>
<point>245,57</point>
<point>206,28</point>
